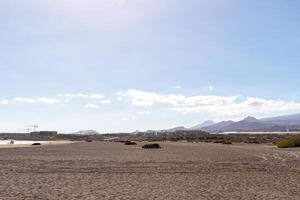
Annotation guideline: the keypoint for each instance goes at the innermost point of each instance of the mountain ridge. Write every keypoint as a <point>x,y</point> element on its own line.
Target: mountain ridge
<point>249,123</point>
<point>279,123</point>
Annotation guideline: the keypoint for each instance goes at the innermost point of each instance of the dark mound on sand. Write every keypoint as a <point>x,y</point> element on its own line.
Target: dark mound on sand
<point>151,146</point>
<point>36,144</point>
<point>129,143</point>
<point>222,142</point>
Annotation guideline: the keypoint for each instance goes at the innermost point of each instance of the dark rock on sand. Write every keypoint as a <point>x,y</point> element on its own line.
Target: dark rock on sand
<point>151,146</point>
<point>129,143</point>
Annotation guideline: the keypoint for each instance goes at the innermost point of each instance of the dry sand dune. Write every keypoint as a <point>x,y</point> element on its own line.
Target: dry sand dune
<point>101,170</point>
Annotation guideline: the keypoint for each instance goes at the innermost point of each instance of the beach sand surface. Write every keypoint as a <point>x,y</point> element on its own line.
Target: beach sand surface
<point>103,170</point>
<point>24,143</point>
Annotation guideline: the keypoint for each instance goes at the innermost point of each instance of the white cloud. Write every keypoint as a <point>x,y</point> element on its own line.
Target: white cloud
<point>130,118</point>
<point>146,99</point>
<point>97,96</point>
<point>144,113</point>
<point>177,87</point>
<point>217,106</point>
<point>73,95</point>
<point>25,99</point>
<point>106,101</point>
<point>91,106</point>
<point>4,102</point>
<point>43,100</point>
<point>60,98</point>
<point>47,100</point>
<point>81,95</point>
<point>210,88</point>
<point>139,98</point>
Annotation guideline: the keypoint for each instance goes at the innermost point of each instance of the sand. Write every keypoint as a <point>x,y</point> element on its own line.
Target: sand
<point>58,142</point>
<point>101,170</point>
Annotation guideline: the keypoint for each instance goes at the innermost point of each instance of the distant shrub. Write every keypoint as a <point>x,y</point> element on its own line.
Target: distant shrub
<point>219,141</point>
<point>174,139</point>
<point>151,146</point>
<point>254,142</point>
<point>129,143</point>
<point>227,142</point>
<point>287,143</point>
<point>222,142</point>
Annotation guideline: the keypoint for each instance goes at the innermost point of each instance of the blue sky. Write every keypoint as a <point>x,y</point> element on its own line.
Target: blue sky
<point>122,65</point>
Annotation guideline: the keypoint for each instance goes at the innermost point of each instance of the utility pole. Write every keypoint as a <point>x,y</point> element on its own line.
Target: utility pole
<point>34,127</point>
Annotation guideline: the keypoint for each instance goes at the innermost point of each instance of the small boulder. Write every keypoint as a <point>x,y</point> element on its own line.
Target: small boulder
<point>129,143</point>
<point>151,146</point>
<point>36,144</point>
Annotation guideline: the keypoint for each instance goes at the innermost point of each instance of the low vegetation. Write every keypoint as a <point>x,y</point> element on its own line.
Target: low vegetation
<point>129,143</point>
<point>290,139</point>
<point>252,142</point>
<point>223,142</point>
<point>287,143</point>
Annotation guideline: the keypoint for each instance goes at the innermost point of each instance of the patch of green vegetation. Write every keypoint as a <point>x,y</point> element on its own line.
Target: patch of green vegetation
<point>287,143</point>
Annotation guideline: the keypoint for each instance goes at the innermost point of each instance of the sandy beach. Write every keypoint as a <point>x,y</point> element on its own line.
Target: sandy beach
<point>101,170</point>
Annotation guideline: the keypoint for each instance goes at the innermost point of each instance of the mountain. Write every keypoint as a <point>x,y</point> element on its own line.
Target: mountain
<point>247,124</point>
<point>86,132</point>
<point>217,127</point>
<point>284,120</point>
<point>179,128</point>
<point>281,123</point>
<point>202,125</point>
<point>250,119</point>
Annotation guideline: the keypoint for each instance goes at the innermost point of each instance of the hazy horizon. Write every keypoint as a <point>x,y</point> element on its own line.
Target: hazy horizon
<point>126,65</point>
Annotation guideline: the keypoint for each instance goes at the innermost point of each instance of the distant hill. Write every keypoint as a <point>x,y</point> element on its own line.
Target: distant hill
<point>284,120</point>
<point>245,125</point>
<point>179,128</point>
<point>281,123</point>
<point>86,132</point>
<point>202,125</point>
<point>250,119</point>
<point>218,126</point>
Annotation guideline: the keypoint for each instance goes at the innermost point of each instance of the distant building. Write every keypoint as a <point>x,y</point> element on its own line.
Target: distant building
<point>44,133</point>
